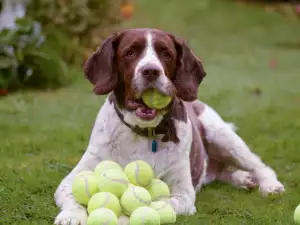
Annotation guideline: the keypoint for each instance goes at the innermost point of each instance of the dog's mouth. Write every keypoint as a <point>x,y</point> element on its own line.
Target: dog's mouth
<point>141,110</point>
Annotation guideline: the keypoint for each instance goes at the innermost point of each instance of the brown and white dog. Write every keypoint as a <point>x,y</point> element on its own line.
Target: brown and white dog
<point>194,145</point>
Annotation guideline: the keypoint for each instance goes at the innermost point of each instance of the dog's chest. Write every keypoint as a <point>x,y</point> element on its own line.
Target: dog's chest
<point>128,146</point>
<point>124,146</point>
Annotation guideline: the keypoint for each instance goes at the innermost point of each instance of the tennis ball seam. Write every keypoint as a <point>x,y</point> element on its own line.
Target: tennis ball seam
<point>107,198</point>
<point>140,199</point>
<point>106,165</point>
<point>122,181</point>
<point>160,197</point>
<point>108,213</point>
<point>137,168</point>
<point>104,200</point>
<point>162,207</point>
<point>86,185</point>
<point>143,219</point>
<point>141,216</point>
<point>158,186</point>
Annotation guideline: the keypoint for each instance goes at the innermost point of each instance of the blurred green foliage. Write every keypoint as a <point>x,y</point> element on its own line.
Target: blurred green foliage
<point>25,60</point>
<point>75,25</point>
<point>54,33</point>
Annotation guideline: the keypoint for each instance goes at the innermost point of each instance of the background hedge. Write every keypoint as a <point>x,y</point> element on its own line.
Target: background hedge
<point>54,34</point>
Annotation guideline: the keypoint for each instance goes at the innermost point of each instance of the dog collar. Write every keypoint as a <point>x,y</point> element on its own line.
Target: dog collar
<point>165,128</point>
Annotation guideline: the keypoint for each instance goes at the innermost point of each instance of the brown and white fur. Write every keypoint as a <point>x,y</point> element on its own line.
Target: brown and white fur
<point>198,147</point>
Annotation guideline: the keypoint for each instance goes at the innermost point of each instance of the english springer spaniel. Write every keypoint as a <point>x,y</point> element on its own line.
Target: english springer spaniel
<point>194,145</point>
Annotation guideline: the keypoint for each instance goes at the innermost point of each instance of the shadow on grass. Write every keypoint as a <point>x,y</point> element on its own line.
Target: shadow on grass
<point>289,45</point>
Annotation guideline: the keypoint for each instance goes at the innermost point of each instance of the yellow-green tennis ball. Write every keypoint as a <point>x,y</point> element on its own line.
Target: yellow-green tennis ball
<point>166,212</point>
<point>297,215</point>
<point>113,181</point>
<point>156,100</point>
<point>158,190</point>
<point>102,216</point>
<point>106,165</point>
<point>133,198</point>
<point>84,187</point>
<point>139,173</point>
<point>105,200</point>
<point>144,215</point>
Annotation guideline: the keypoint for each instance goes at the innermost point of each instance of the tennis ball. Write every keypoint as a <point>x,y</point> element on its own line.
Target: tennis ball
<point>139,173</point>
<point>144,215</point>
<point>102,216</point>
<point>297,215</point>
<point>113,181</point>
<point>133,198</point>
<point>156,100</point>
<point>106,165</point>
<point>105,200</point>
<point>84,186</point>
<point>166,212</point>
<point>158,190</point>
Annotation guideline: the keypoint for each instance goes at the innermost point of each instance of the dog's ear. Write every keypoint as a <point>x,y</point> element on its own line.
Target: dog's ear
<point>100,68</point>
<point>189,73</point>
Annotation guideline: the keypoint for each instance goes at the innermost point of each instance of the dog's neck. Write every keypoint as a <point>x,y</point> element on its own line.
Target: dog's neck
<point>166,127</point>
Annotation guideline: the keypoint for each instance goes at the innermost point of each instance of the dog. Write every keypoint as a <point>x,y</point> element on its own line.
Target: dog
<point>194,145</point>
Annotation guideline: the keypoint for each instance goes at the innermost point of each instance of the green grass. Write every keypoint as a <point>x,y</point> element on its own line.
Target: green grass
<point>44,134</point>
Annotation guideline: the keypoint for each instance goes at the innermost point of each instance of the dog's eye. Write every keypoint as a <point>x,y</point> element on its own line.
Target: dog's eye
<point>129,53</point>
<point>166,54</point>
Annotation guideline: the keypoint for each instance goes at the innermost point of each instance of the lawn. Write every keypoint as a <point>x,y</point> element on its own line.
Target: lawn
<point>253,76</point>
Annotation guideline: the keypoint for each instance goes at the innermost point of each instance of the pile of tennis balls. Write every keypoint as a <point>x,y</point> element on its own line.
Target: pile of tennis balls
<point>111,191</point>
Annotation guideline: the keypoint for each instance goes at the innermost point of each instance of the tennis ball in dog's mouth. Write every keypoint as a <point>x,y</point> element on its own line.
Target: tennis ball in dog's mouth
<point>155,100</point>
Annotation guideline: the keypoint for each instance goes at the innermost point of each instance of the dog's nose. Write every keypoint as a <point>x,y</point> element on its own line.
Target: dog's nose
<point>151,72</point>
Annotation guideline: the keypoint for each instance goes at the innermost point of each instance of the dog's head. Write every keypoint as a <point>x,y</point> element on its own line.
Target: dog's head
<point>131,61</point>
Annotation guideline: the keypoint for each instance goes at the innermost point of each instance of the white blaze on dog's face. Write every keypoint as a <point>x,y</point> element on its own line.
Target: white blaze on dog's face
<point>134,60</point>
<point>149,71</point>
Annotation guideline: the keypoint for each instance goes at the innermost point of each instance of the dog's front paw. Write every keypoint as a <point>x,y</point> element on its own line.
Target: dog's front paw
<point>192,211</point>
<point>182,208</point>
<point>71,217</point>
<point>271,187</point>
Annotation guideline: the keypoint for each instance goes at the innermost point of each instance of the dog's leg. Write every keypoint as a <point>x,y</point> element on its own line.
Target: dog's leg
<point>73,213</point>
<point>238,178</point>
<point>182,191</point>
<point>226,146</point>
<point>98,149</point>
<point>221,172</point>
